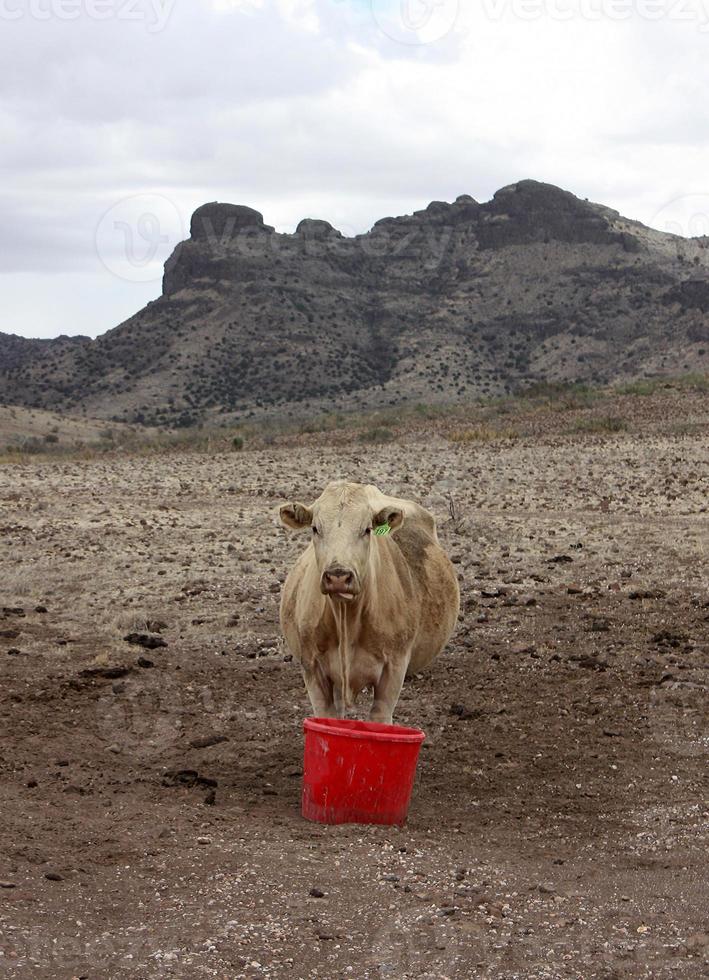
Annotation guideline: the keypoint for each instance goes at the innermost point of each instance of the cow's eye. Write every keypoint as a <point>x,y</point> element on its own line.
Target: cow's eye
<point>315,530</point>
<point>368,531</point>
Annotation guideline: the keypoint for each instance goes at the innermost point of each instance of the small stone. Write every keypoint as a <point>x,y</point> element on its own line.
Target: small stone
<point>316,893</point>
<point>207,741</point>
<point>204,840</point>
<point>600,626</point>
<point>118,687</point>
<point>147,640</point>
<point>590,663</point>
<point>40,609</point>
<point>53,876</point>
<point>32,783</point>
<point>546,889</point>
<point>390,878</point>
<point>14,652</point>
<point>495,909</point>
<point>211,798</point>
<point>109,673</point>
<point>144,662</point>
<point>114,747</point>
<point>7,884</point>
<point>156,625</point>
<point>462,712</point>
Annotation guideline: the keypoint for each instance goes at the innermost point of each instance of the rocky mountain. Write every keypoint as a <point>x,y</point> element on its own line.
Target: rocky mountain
<point>453,302</point>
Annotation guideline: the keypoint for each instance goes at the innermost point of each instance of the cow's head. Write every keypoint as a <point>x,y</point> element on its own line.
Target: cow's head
<point>342,524</point>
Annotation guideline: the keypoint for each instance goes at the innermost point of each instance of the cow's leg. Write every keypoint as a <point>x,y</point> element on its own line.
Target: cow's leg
<point>387,690</point>
<point>320,692</point>
<point>339,703</point>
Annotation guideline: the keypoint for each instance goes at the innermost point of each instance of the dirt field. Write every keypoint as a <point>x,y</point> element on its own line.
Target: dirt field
<point>149,798</point>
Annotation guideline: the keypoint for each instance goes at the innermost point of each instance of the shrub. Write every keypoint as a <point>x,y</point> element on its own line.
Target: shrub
<point>377,434</point>
<point>604,423</point>
<point>559,395</point>
<point>481,434</point>
<point>642,387</point>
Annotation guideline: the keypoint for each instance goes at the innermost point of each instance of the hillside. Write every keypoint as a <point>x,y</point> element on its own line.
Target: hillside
<point>456,301</point>
<point>32,430</point>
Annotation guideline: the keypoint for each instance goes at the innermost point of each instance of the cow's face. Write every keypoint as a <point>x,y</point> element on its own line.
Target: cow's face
<point>342,524</point>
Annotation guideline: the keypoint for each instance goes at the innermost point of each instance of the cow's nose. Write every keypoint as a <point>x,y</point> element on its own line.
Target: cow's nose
<point>338,579</point>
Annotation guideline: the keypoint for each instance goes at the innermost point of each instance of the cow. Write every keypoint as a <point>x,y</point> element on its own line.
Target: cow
<point>372,598</point>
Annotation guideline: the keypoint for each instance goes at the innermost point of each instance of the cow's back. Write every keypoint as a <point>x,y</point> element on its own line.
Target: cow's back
<point>436,595</point>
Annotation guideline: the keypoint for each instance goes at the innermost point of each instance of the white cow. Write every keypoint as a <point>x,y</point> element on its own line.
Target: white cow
<point>372,597</point>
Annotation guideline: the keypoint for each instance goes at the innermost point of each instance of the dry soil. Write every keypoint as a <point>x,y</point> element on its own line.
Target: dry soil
<point>149,798</point>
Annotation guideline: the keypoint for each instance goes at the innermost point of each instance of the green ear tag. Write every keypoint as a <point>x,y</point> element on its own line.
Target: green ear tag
<point>382,529</point>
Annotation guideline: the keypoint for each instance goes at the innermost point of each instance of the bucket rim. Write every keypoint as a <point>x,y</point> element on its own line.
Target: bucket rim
<point>364,730</point>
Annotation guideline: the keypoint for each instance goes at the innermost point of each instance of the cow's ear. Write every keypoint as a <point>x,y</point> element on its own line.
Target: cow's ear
<point>392,517</point>
<point>296,515</point>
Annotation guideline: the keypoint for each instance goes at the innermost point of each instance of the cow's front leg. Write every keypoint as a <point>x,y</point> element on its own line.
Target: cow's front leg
<point>339,703</point>
<point>387,690</point>
<point>320,691</point>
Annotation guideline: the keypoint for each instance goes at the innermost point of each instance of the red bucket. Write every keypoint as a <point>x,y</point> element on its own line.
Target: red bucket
<point>358,771</point>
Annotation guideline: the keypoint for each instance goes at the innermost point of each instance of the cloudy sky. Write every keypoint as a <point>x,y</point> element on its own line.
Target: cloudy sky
<point>119,117</point>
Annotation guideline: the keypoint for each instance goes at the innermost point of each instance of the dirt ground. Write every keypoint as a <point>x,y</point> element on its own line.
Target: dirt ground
<point>149,798</point>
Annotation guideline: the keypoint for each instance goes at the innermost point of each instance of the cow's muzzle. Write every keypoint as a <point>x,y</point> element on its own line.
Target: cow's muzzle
<point>339,582</point>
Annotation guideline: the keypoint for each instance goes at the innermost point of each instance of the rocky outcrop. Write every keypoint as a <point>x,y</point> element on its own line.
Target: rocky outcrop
<point>455,301</point>
<point>219,223</point>
<point>692,294</point>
